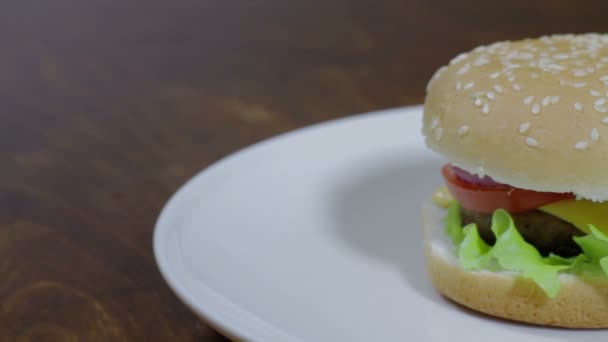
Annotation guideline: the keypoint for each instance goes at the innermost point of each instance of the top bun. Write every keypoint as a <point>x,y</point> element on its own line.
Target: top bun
<point>531,113</point>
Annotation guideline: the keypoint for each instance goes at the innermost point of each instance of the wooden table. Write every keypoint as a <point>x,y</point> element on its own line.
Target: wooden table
<point>106,107</point>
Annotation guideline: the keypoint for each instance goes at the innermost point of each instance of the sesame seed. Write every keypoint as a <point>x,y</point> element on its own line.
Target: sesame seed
<point>600,102</point>
<point>498,88</point>
<point>494,75</point>
<point>478,102</point>
<point>490,95</point>
<point>554,99</point>
<point>485,109</point>
<point>508,65</point>
<point>434,123</point>
<point>464,69</point>
<point>531,142</point>
<point>581,145</point>
<point>536,108</point>
<point>469,85</point>
<point>600,109</point>
<point>523,128</point>
<point>458,85</point>
<point>546,101</point>
<point>579,106</point>
<point>529,99</point>
<point>605,120</point>
<point>435,77</point>
<point>561,56</point>
<point>595,134</point>
<point>595,93</point>
<point>579,84</point>
<point>554,67</point>
<point>524,55</point>
<point>461,57</point>
<point>580,73</point>
<point>481,61</point>
<point>516,87</point>
<point>463,130</point>
<point>511,78</point>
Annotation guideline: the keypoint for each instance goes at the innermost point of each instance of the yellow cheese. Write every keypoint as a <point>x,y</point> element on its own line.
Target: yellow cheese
<point>442,197</point>
<point>580,213</point>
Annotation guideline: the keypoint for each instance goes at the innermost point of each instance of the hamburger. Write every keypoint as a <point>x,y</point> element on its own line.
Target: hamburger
<point>519,230</point>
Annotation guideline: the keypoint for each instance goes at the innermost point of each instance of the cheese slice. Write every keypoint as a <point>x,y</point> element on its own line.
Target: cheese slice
<point>580,213</point>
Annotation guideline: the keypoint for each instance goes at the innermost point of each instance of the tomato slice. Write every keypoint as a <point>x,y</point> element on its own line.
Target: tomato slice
<point>487,198</point>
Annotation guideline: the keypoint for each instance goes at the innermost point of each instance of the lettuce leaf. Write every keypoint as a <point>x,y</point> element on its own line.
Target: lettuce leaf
<point>473,251</point>
<point>512,253</point>
<point>453,223</point>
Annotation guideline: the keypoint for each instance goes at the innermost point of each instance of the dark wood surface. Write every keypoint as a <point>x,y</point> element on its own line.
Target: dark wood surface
<point>106,107</point>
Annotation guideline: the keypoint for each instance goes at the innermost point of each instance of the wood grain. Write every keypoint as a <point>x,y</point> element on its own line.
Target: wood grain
<point>107,107</point>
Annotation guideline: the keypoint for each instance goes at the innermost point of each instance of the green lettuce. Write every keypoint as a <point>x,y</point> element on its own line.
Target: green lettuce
<point>512,253</point>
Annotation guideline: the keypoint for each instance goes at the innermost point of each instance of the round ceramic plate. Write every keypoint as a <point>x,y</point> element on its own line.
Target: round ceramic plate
<point>315,236</point>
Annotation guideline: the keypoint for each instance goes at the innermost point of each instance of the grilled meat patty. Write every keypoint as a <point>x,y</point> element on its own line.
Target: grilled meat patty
<point>549,234</point>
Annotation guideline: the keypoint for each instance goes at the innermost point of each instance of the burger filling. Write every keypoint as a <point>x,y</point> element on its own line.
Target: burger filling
<point>538,234</point>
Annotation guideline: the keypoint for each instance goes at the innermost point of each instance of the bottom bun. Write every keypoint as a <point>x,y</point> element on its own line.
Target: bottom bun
<point>581,303</point>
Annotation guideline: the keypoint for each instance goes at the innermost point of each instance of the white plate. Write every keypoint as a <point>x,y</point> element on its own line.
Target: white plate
<point>314,236</point>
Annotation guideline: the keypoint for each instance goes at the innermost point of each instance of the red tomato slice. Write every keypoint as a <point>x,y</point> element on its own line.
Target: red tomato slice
<point>486,199</point>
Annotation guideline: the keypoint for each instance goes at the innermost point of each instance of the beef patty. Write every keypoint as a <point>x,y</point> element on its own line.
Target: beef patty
<point>549,234</point>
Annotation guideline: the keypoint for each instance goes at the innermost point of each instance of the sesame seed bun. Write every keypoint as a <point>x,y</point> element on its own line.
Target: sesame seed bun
<point>581,303</point>
<point>531,113</point>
